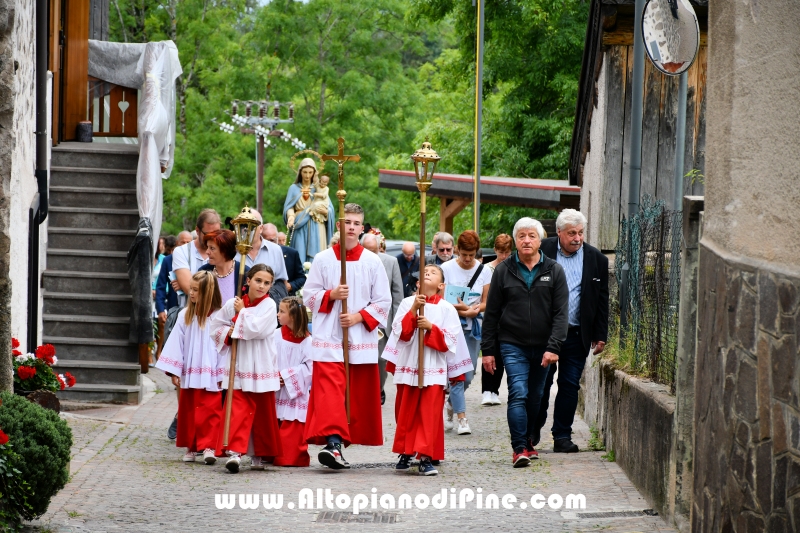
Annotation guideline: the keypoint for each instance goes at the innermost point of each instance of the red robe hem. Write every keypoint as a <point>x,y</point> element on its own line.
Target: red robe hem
<point>248,437</point>
<point>420,428</point>
<point>199,419</point>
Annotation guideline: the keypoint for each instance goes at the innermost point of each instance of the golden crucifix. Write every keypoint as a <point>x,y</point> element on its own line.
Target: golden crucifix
<point>341,194</point>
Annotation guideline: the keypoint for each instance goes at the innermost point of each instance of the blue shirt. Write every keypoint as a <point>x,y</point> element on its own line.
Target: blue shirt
<point>573,269</point>
<point>528,275</point>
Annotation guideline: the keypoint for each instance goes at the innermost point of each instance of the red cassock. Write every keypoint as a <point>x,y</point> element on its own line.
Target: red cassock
<point>199,419</point>
<point>326,407</point>
<point>293,442</point>
<point>254,425</point>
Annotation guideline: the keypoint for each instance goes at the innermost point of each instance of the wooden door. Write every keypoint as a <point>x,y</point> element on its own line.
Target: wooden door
<point>75,71</point>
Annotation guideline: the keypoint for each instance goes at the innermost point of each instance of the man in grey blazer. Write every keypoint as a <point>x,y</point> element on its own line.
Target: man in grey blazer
<point>392,267</point>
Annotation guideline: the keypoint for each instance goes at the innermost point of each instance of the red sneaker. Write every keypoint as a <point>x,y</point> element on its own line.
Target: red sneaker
<point>532,454</point>
<point>521,459</point>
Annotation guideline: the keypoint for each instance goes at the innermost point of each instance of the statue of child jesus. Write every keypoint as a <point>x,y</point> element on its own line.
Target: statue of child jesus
<point>320,197</point>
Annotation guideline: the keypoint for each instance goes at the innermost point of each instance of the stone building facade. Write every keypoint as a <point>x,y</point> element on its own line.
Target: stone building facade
<point>747,410</point>
<point>17,165</point>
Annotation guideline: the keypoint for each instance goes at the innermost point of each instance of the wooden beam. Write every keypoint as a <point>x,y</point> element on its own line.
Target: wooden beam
<point>54,64</point>
<point>448,209</point>
<point>76,65</point>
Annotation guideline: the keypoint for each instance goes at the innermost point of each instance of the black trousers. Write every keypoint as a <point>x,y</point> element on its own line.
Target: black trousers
<point>491,382</point>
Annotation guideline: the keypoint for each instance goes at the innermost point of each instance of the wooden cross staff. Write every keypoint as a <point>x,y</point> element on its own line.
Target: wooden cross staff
<point>341,194</point>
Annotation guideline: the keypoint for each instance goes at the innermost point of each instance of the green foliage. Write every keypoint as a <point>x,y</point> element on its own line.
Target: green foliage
<point>595,442</point>
<point>14,491</point>
<point>609,456</point>
<point>43,441</point>
<point>383,74</point>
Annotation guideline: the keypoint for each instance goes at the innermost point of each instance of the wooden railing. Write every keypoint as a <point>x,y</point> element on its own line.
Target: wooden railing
<point>113,109</point>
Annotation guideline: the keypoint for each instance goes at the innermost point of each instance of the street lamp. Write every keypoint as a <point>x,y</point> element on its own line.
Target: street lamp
<point>245,227</point>
<point>425,161</point>
<point>258,121</point>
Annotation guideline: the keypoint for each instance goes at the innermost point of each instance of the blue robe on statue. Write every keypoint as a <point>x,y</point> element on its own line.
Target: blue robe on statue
<point>306,234</point>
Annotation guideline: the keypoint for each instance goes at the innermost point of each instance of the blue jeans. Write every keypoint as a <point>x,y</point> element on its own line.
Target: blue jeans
<point>571,361</point>
<point>525,376</point>
<point>456,398</point>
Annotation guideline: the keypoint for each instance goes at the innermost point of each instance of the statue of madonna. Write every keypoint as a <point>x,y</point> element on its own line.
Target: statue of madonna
<point>310,223</point>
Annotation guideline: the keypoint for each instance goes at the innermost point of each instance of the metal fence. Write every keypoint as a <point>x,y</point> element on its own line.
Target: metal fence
<point>649,248</point>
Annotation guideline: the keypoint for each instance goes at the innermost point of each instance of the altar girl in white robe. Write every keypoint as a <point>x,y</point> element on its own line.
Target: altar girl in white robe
<point>418,412</point>
<point>192,361</point>
<point>251,320</point>
<point>293,346</point>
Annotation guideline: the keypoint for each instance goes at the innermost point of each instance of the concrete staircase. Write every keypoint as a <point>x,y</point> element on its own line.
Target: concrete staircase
<point>87,297</point>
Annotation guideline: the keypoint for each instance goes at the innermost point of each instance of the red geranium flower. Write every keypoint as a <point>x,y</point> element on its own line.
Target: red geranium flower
<point>26,372</point>
<point>14,343</point>
<point>3,437</point>
<point>70,379</point>
<point>61,382</point>
<point>45,351</point>
<point>16,353</point>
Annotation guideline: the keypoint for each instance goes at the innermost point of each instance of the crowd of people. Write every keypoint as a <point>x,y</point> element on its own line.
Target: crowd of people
<point>540,304</point>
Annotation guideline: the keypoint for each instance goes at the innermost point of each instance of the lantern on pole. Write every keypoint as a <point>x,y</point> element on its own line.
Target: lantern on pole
<point>425,161</point>
<point>245,227</point>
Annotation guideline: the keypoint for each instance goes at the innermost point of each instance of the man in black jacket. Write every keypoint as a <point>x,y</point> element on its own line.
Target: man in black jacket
<point>586,269</point>
<point>409,263</point>
<point>525,323</point>
<point>291,259</point>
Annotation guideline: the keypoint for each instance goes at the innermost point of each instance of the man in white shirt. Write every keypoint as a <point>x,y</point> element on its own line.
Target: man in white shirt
<point>270,254</point>
<point>187,259</point>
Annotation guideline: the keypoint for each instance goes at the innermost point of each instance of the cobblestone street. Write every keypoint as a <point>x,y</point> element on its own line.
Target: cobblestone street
<point>127,476</point>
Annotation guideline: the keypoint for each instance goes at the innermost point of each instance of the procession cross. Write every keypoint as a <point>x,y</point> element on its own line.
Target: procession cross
<point>341,194</point>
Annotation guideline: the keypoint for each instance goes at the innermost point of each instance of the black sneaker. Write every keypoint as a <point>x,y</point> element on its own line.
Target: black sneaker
<point>534,439</point>
<point>435,462</point>
<point>564,446</point>
<point>426,468</point>
<point>383,397</point>
<point>172,432</point>
<point>403,464</point>
<point>331,456</point>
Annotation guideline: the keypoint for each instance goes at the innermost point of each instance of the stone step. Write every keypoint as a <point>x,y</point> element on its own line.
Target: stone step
<point>86,326</point>
<point>101,372</point>
<point>86,260</point>
<point>85,349</point>
<point>91,392</point>
<point>66,196</point>
<point>86,282</point>
<point>117,240</point>
<point>66,303</point>
<point>105,156</point>
<point>95,218</point>
<point>92,177</point>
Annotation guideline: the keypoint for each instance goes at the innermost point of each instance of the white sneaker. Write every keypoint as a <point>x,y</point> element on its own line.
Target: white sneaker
<point>208,456</point>
<point>232,464</point>
<point>189,457</point>
<point>487,398</point>
<point>495,399</point>
<point>448,421</point>
<point>257,463</point>
<point>463,427</point>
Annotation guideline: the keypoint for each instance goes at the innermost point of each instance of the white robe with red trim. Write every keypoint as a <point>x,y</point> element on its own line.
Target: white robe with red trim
<point>296,366</point>
<point>439,366</point>
<point>190,354</point>
<point>256,361</point>
<point>370,294</point>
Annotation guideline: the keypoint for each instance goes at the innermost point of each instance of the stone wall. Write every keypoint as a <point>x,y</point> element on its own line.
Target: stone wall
<point>592,200</point>
<point>23,180</point>
<point>635,420</point>
<point>747,414</point>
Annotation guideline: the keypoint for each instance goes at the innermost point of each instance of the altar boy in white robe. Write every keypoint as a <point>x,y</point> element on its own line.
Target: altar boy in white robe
<point>368,301</point>
<point>254,422</point>
<point>418,412</point>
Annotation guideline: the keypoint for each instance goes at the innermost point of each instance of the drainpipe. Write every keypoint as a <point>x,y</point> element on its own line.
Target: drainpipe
<point>39,206</point>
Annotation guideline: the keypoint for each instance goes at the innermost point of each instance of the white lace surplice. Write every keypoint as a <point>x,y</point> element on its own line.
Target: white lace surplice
<point>295,364</point>
<point>439,366</point>
<point>256,369</point>
<point>369,290</point>
<point>190,353</point>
